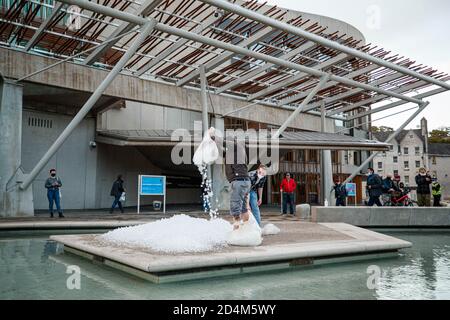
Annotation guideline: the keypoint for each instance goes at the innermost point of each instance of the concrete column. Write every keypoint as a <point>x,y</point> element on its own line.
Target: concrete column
<point>13,201</point>
<point>326,170</point>
<point>221,187</point>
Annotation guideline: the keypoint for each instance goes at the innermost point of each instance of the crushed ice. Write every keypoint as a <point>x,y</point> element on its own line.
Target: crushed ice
<point>179,234</point>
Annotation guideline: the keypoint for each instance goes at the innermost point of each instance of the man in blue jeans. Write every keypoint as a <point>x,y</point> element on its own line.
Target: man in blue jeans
<point>53,184</point>
<point>258,179</point>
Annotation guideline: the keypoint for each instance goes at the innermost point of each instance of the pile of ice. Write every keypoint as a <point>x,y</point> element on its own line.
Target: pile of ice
<point>179,234</point>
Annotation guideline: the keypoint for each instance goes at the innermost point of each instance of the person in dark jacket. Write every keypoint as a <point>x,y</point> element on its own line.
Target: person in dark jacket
<point>389,188</point>
<point>423,181</point>
<point>53,183</point>
<point>237,175</point>
<point>340,193</point>
<point>374,188</point>
<point>116,191</point>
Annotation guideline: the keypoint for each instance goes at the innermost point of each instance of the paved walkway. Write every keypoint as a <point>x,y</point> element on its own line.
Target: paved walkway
<point>103,219</point>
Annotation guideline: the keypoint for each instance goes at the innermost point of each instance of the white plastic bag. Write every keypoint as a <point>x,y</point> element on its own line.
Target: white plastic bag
<point>248,234</point>
<point>270,230</point>
<point>122,197</point>
<point>206,153</point>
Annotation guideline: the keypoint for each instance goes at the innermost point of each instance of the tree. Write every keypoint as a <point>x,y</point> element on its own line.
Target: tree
<point>440,135</point>
<point>376,129</point>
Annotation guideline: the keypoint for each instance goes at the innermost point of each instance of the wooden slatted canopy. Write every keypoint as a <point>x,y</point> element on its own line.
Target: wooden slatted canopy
<point>47,28</point>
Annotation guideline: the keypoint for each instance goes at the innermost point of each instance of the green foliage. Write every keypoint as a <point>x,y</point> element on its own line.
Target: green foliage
<point>382,129</point>
<point>440,135</point>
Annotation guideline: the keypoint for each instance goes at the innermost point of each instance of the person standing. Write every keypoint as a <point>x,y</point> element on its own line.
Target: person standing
<point>340,193</point>
<point>423,181</point>
<point>258,180</point>
<point>374,188</point>
<point>287,189</point>
<point>436,190</point>
<point>116,191</point>
<point>237,175</point>
<point>53,185</point>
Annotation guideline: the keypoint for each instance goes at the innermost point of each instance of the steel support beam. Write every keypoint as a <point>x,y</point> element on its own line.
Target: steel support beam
<point>38,33</point>
<point>265,67</point>
<point>334,83</point>
<point>174,47</point>
<point>124,27</point>
<point>296,78</point>
<point>300,108</point>
<point>217,61</point>
<point>74,56</point>
<point>146,30</point>
<point>353,92</point>
<point>422,107</point>
<point>230,47</point>
<point>204,99</point>
<point>396,104</point>
<point>377,98</point>
<point>255,16</point>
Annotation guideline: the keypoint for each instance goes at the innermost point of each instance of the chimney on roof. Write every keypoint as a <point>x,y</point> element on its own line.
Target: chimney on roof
<point>424,127</point>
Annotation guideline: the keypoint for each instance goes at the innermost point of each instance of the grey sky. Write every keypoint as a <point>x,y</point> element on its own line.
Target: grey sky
<point>416,29</point>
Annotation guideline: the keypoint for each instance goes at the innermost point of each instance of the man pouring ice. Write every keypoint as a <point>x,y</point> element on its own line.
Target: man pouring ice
<point>237,175</point>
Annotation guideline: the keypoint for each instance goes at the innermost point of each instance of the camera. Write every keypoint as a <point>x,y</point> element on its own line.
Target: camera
<point>92,144</point>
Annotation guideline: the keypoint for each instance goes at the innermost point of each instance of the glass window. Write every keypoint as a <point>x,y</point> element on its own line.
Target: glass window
<point>380,165</point>
<point>405,150</point>
<point>395,159</point>
<point>399,149</point>
<point>406,179</point>
<point>417,164</point>
<point>417,151</point>
<point>395,172</point>
<point>406,164</point>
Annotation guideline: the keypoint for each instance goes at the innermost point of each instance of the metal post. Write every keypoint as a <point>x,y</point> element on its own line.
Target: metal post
<point>146,30</point>
<point>255,16</point>
<point>300,108</point>
<point>391,137</point>
<point>204,99</point>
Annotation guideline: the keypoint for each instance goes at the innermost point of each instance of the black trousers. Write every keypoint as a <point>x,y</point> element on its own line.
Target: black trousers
<point>288,200</point>
<point>437,201</point>
<point>374,200</point>
<point>340,202</point>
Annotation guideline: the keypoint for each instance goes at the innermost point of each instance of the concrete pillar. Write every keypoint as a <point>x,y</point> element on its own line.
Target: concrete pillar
<point>326,170</point>
<point>13,201</point>
<point>221,187</point>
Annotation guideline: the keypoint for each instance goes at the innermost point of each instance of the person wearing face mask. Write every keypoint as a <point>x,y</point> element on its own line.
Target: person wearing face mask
<point>423,181</point>
<point>258,180</point>
<point>374,188</point>
<point>53,184</point>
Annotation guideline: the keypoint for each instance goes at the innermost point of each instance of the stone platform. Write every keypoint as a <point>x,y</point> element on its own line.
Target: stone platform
<point>299,244</point>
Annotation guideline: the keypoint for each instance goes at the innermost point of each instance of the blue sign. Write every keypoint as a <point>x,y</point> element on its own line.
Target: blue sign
<point>351,189</point>
<point>152,185</point>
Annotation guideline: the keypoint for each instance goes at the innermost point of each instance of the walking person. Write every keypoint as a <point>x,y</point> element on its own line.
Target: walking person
<point>53,185</point>
<point>116,191</point>
<point>237,175</point>
<point>436,191</point>
<point>423,181</point>
<point>258,179</point>
<point>287,189</point>
<point>374,188</point>
<point>340,193</point>
<point>389,188</point>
